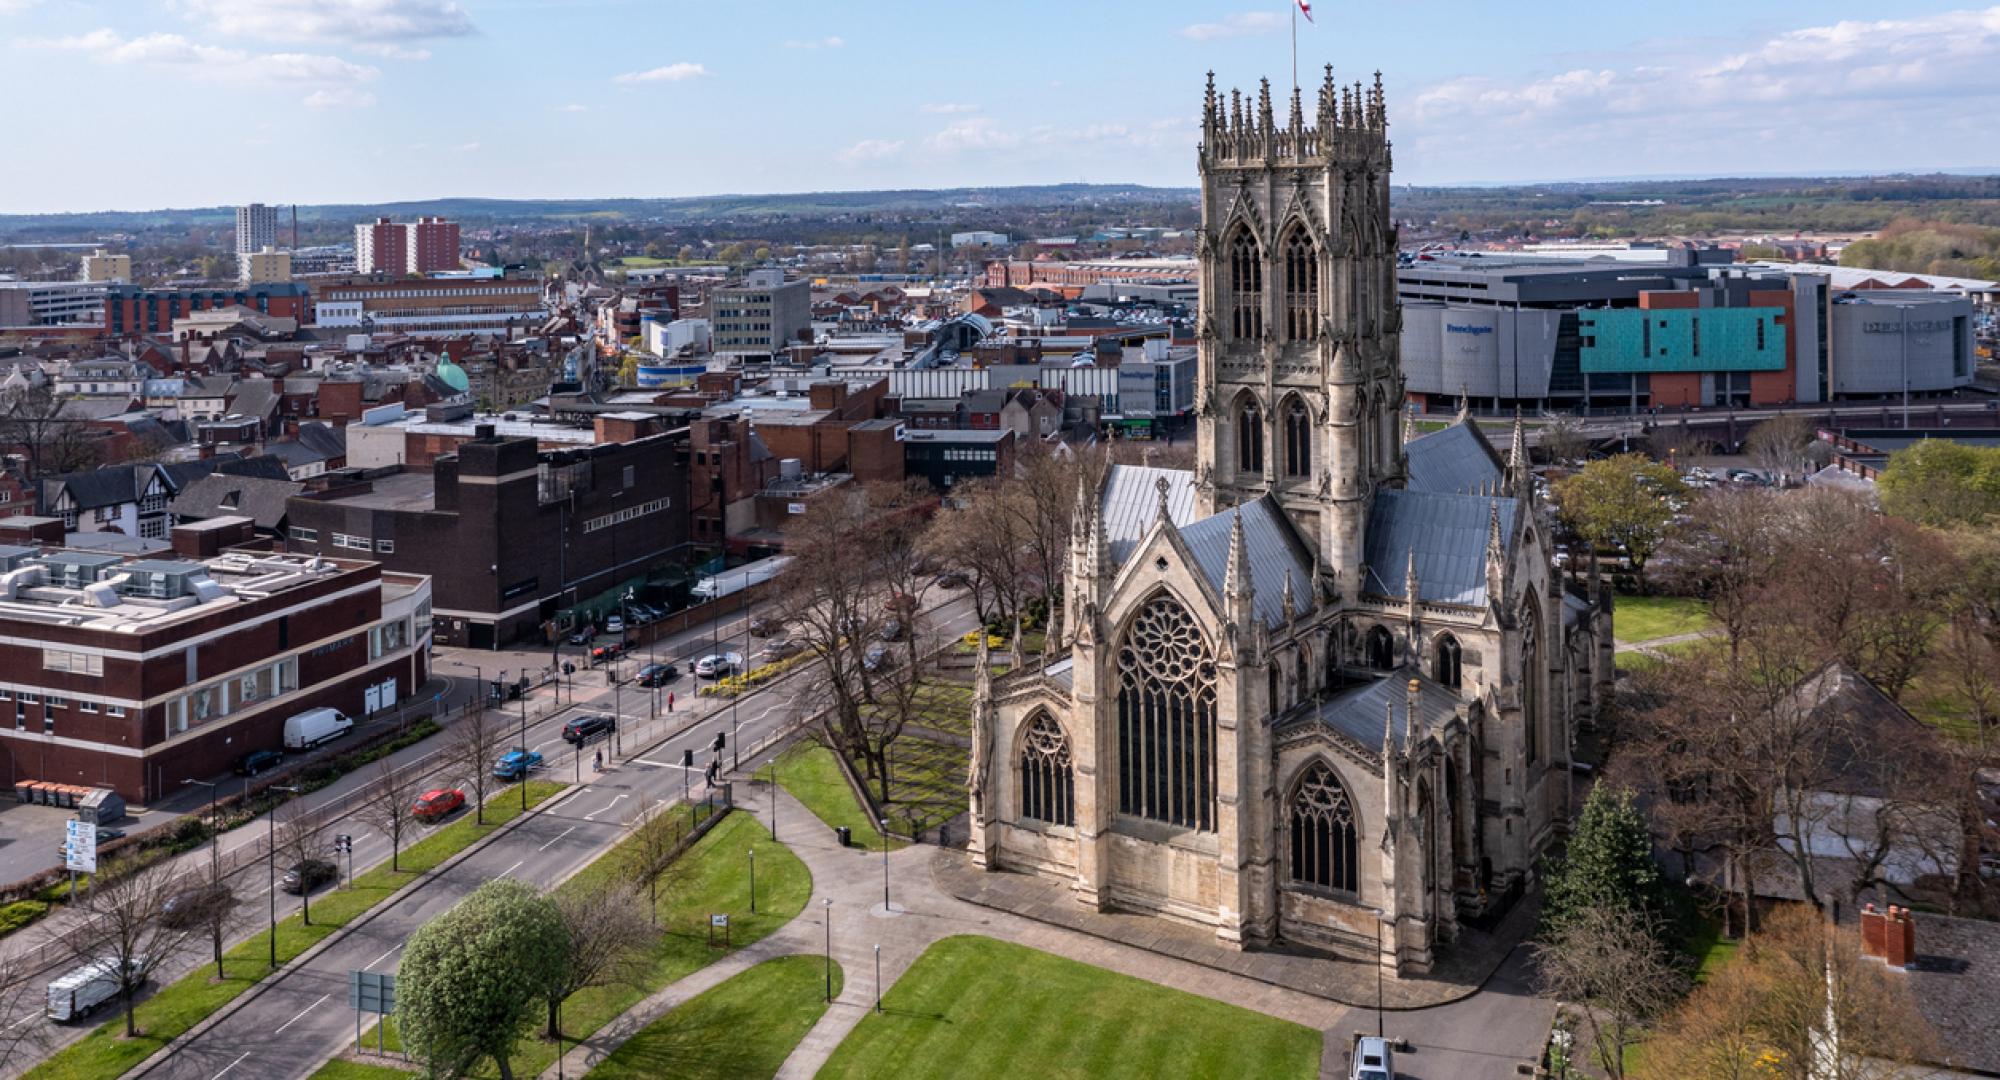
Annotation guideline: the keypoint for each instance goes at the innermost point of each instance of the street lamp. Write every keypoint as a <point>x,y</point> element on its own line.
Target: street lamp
<point>774,798</point>
<point>884,824</point>
<point>524,746</point>
<point>878,978</point>
<point>753,881</point>
<point>826,906</point>
<point>271,865</point>
<point>1380,918</point>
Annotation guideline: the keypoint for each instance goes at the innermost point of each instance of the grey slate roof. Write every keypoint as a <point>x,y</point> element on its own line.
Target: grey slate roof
<point>1575,608</point>
<point>226,495</point>
<point>1131,501</point>
<point>1448,533</point>
<point>1271,548</point>
<point>1358,712</point>
<point>1457,459</point>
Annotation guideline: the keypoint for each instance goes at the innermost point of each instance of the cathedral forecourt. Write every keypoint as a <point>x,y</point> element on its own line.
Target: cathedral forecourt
<point>1331,676</point>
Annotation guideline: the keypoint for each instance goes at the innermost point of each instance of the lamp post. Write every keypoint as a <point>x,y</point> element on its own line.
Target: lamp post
<point>774,798</point>
<point>826,906</point>
<point>524,748</point>
<point>271,865</point>
<point>1380,918</point>
<point>878,978</point>
<point>753,881</point>
<point>883,824</point>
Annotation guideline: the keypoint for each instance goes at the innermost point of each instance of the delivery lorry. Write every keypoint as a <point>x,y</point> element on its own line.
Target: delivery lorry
<point>730,582</point>
<point>82,991</point>
<point>315,726</point>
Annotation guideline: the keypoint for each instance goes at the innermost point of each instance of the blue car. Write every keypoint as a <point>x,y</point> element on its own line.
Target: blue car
<point>515,763</point>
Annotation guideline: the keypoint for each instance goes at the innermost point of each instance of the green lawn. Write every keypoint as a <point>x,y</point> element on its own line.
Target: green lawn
<point>945,706</point>
<point>976,1007</point>
<point>810,773</point>
<point>745,1028</point>
<point>106,1053</point>
<point>712,878</point>
<point>338,1069</point>
<point>926,783</point>
<point>1643,618</point>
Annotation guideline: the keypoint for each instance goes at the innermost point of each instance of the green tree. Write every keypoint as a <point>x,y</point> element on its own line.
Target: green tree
<point>1622,502</point>
<point>1937,482</point>
<point>1608,864</point>
<point>470,976</point>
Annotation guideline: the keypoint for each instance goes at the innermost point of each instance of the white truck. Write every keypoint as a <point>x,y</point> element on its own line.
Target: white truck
<point>315,726</point>
<point>717,586</point>
<point>80,992</point>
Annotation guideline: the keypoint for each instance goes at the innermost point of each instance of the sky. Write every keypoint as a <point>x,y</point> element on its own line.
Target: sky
<point>143,104</point>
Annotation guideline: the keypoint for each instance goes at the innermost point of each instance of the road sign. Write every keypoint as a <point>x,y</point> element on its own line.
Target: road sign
<point>343,843</point>
<point>718,920</point>
<point>80,846</point>
<point>370,992</point>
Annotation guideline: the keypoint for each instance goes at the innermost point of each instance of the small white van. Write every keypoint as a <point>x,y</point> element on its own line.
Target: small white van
<point>80,992</point>
<point>315,726</point>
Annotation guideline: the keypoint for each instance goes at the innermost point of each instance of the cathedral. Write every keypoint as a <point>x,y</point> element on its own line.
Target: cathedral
<point>1322,689</point>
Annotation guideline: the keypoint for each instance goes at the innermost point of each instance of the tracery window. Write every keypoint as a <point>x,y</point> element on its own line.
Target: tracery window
<point>1325,846</point>
<point>1166,719</point>
<point>1298,439</point>
<point>1048,786</point>
<point>1301,287</point>
<point>1250,439</point>
<point>1531,681</point>
<point>1381,649</point>
<point>1246,288</point>
<point>1445,661</point>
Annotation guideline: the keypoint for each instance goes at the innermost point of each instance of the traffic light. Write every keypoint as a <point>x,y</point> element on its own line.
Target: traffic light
<point>718,742</point>
<point>687,759</point>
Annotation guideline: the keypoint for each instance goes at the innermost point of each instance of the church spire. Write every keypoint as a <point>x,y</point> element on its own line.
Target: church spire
<point>1266,124</point>
<point>1409,426</point>
<point>1464,403</point>
<point>1519,466</point>
<point>1161,486</point>
<point>1391,775</point>
<point>1239,590</point>
<point>1496,560</point>
<point>1287,605</point>
<point>1411,708</point>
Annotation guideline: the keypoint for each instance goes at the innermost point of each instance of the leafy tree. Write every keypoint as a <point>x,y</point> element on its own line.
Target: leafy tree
<point>1608,865</point>
<point>1937,482</point>
<point>469,977</point>
<point>1622,501</point>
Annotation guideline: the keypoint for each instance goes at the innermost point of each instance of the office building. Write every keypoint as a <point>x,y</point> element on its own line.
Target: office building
<point>256,228</point>
<point>136,675</point>
<point>52,303</point>
<point>127,309</point>
<point>264,267</point>
<point>433,306</point>
<point>102,265</point>
<point>761,315</point>
<point>425,246</point>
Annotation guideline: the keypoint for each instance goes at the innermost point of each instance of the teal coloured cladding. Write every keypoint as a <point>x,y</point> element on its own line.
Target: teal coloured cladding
<point>1635,341</point>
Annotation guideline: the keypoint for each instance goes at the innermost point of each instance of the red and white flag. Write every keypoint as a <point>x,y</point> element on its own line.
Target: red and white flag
<point>1306,9</point>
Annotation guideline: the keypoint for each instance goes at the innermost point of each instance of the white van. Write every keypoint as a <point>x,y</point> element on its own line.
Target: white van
<point>315,726</point>
<point>80,992</point>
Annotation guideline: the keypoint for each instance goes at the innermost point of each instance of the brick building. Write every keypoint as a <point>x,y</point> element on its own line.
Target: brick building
<point>424,246</point>
<point>129,309</point>
<point>136,675</point>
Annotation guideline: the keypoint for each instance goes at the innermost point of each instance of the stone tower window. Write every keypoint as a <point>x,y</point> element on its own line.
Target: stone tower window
<point>1298,439</point>
<point>1048,788</point>
<point>1445,667</point>
<point>1250,439</point>
<point>1166,719</point>
<point>1325,846</point>
<point>1301,287</point>
<point>1246,288</point>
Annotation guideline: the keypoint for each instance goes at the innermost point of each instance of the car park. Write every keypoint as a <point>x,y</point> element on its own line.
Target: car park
<point>257,761</point>
<point>657,674</point>
<point>437,803</point>
<point>308,875</point>
<point>516,763</point>
<point>588,728</point>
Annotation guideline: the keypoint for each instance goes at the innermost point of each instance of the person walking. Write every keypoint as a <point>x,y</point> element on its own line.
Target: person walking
<point>670,701</point>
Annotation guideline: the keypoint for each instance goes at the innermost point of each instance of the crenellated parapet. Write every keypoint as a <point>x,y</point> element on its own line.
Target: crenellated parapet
<point>1350,127</point>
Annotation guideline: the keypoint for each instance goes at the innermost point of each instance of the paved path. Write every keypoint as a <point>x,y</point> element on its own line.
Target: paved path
<point>1656,646</point>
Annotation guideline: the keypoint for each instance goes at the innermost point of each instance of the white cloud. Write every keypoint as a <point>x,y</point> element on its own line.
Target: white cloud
<point>973,133</point>
<point>828,42</point>
<point>11,7</point>
<point>339,98</point>
<point>394,52</point>
<point>212,61</point>
<point>872,150</point>
<point>465,148</point>
<point>1242,24</point>
<point>341,20</point>
<point>670,73</point>
<point>946,108</point>
<point>572,108</point>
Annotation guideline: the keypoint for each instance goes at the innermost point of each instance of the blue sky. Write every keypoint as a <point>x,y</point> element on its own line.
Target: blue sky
<point>134,104</point>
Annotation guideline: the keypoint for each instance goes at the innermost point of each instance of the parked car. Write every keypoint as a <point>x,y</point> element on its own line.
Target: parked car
<point>614,624</point>
<point>951,579</point>
<point>876,658</point>
<point>716,665</point>
<point>899,604</point>
<point>436,803</point>
<point>778,649</point>
<point>645,613</point>
<point>589,728</point>
<point>192,907</point>
<point>601,653</point>
<point>583,635</point>
<point>764,625</point>
<point>257,761</point>
<point>515,763</point>
<point>658,674</point>
<point>891,630</point>
<point>1373,1060</point>
<point>306,876</point>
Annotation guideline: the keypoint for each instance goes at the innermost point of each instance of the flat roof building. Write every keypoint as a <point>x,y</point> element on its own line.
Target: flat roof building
<point>761,315</point>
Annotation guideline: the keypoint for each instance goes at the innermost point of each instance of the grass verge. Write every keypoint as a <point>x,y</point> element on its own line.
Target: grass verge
<point>976,1007</point>
<point>813,777</point>
<point>106,1052</point>
<point>743,1029</point>
<point>1643,618</point>
<point>341,1069</point>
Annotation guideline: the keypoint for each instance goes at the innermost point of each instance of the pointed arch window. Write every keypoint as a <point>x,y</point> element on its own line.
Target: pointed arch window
<point>1531,681</point>
<point>1246,288</point>
<point>1166,719</point>
<point>1445,666</point>
<point>1381,649</point>
<point>1301,287</point>
<point>1048,785</point>
<point>1298,439</point>
<point>1325,844</point>
<point>1250,438</point>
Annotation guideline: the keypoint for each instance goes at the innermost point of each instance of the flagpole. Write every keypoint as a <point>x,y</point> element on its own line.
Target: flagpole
<point>1295,45</point>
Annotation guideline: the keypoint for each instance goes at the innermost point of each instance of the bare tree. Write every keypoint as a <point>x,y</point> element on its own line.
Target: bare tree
<point>656,841</point>
<point>53,442</point>
<point>1564,440</point>
<point>1778,445</point>
<point>302,840</point>
<point>19,997</point>
<point>1609,961</point>
<point>471,745</point>
<point>985,539</point>
<point>609,928</point>
<point>119,925</point>
<point>388,804</point>
<point>1725,553</point>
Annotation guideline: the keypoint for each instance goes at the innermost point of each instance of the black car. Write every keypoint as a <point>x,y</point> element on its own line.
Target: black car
<point>307,876</point>
<point>590,728</point>
<point>257,761</point>
<point>582,635</point>
<point>657,674</point>
<point>192,907</point>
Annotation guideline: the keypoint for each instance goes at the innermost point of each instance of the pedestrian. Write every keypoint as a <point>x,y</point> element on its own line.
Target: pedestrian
<point>670,701</point>
<point>597,761</point>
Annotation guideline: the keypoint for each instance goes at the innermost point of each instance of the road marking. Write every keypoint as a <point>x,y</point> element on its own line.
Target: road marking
<point>503,873</point>
<point>592,816</point>
<point>391,952</point>
<point>231,1065</point>
<point>295,1019</point>
<point>559,836</point>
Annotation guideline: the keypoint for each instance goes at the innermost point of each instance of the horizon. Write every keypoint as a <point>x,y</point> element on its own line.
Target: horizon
<point>366,102</point>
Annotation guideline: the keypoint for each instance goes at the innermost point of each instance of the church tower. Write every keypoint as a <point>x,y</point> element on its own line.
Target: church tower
<point>1301,378</point>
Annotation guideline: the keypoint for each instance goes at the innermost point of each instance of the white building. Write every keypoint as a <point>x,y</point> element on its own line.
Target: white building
<point>256,228</point>
<point>978,238</point>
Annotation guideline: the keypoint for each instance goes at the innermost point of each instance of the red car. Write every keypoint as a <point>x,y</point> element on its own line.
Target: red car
<point>432,805</point>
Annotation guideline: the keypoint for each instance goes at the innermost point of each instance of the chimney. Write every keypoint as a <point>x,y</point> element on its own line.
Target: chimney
<point>1889,937</point>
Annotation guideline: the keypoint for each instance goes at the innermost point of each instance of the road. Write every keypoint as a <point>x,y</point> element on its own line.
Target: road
<point>645,761</point>
<point>307,1005</point>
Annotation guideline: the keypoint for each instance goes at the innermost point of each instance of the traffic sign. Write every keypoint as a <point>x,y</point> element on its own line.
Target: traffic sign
<point>80,846</point>
<point>370,992</point>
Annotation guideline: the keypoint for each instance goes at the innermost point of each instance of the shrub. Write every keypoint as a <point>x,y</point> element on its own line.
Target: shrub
<point>20,913</point>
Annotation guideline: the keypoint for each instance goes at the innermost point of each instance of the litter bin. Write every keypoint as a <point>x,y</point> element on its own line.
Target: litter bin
<point>844,834</point>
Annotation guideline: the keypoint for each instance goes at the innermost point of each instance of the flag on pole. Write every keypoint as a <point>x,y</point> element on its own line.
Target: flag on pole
<point>1306,9</point>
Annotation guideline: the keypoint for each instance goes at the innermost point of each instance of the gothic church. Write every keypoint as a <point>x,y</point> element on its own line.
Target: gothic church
<point>1321,690</point>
